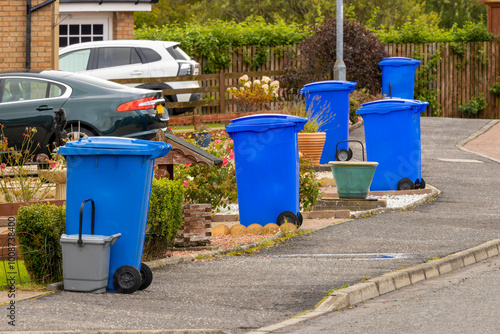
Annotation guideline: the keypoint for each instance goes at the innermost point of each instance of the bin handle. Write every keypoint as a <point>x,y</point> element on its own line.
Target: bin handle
<point>80,242</point>
<point>350,141</point>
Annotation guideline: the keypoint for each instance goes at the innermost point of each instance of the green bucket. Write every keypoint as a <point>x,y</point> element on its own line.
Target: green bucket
<point>353,178</point>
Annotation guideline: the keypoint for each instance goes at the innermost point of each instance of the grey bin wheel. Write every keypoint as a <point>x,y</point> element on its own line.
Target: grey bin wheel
<point>146,276</point>
<point>287,217</point>
<point>127,279</point>
<point>343,155</point>
<point>420,185</point>
<point>301,219</point>
<point>406,184</point>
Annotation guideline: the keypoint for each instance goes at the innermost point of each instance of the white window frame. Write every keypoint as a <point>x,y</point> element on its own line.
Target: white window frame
<point>106,19</point>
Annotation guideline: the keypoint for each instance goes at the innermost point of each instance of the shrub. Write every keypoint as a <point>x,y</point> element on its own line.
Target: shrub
<point>475,105</point>
<point>254,96</point>
<point>495,89</point>
<point>39,228</point>
<point>309,187</point>
<point>356,99</point>
<point>165,216</point>
<point>317,56</point>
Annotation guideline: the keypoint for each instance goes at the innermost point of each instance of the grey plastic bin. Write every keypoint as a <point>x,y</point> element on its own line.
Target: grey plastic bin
<point>86,258</point>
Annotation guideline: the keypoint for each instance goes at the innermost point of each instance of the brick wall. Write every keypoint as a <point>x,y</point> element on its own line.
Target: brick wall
<point>197,229</point>
<point>123,25</point>
<point>13,36</point>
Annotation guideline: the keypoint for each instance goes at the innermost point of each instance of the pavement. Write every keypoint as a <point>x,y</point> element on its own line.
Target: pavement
<point>301,280</point>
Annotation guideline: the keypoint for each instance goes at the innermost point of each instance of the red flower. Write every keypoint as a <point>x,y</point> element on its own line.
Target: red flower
<point>188,165</point>
<point>224,162</point>
<point>3,165</point>
<point>185,183</point>
<point>231,156</point>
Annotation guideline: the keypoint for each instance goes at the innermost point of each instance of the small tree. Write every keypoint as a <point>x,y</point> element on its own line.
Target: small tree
<point>316,59</point>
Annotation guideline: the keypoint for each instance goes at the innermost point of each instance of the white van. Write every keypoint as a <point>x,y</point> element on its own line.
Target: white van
<point>127,59</point>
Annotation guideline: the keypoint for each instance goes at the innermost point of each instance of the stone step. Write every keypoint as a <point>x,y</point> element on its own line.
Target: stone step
<point>351,204</point>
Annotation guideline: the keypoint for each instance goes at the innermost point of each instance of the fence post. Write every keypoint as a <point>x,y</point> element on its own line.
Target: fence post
<point>222,92</point>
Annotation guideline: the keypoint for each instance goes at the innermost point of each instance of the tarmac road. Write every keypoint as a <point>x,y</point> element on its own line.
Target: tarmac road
<point>238,294</point>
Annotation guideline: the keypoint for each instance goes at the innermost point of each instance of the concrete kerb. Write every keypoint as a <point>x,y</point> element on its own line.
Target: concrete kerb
<point>160,331</point>
<point>386,283</point>
<point>485,128</point>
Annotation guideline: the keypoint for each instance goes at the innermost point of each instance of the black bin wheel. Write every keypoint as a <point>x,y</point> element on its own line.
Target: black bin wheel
<point>343,154</point>
<point>287,217</point>
<point>146,276</point>
<point>406,184</point>
<point>301,219</point>
<point>420,185</point>
<point>127,279</point>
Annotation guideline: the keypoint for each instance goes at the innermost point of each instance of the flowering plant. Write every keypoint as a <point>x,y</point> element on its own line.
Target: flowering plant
<point>253,96</point>
<point>16,183</point>
<point>309,192</point>
<point>215,185</point>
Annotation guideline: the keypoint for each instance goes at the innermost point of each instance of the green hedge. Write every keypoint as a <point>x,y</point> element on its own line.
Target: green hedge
<point>39,228</point>
<point>165,216</point>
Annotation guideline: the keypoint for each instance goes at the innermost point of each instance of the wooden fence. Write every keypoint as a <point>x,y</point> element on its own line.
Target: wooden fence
<point>458,78</point>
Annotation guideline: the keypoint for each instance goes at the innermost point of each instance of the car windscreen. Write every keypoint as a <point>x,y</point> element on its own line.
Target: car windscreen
<point>176,52</point>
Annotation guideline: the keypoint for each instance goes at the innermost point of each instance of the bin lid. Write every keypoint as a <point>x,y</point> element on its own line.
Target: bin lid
<point>328,85</point>
<point>264,122</point>
<point>399,61</point>
<point>86,238</point>
<point>386,106</point>
<point>115,146</point>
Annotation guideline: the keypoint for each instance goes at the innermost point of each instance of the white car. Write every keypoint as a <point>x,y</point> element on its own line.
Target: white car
<point>127,59</point>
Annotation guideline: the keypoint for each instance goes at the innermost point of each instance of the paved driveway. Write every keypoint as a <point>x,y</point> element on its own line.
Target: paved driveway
<point>240,293</point>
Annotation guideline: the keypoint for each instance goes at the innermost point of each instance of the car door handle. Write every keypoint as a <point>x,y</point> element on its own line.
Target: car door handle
<point>44,108</point>
<point>136,72</point>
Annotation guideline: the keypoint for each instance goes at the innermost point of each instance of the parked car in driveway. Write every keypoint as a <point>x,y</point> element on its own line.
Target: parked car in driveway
<point>139,59</point>
<point>95,107</point>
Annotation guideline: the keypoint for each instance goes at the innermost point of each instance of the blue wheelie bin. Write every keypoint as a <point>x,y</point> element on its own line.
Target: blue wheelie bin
<point>267,167</point>
<point>398,77</point>
<point>392,135</point>
<point>329,101</point>
<point>115,175</point>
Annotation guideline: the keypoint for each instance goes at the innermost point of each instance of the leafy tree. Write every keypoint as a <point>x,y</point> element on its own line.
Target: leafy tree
<point>456,11</point>
<point>165,12</point>
<point>317,56</point>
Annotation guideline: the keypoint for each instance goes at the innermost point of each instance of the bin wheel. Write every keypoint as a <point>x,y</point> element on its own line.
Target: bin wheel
<point>406,184</point>
<point>420,185</point>
<point>146,276</point>
<point>301,219</point>
<point>127,279</point>
<point>287,217</point>
<point>343,155</point>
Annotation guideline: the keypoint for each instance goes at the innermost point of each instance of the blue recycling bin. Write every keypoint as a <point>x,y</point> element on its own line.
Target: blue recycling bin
<point>392,135</point>
<point>329,102</point>
<point>398,77</point>
<point>267,167</point>
<point>116,175</point>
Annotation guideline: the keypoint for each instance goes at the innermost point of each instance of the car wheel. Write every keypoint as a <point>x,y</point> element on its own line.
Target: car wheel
<point>74,134</point>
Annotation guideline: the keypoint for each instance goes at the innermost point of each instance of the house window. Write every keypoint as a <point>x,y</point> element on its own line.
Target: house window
<point>79,33</point>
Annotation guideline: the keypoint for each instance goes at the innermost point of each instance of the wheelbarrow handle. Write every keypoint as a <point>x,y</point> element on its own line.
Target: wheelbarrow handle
<point>92,226</point>
<point>350,141</point>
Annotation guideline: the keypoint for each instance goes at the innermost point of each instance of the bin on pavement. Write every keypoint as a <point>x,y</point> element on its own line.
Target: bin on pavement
<point>116,174</point>
<point>329,101</point>
<point>267,167</point>
<point>392,135</point>
<point>398,77</point>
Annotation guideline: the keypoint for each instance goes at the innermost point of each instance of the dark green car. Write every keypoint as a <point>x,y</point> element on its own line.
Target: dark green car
<point>93,107</point>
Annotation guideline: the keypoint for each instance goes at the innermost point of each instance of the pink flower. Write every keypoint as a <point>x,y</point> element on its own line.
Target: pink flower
<point>218,141</point>
<point>188,165</point>
<point>185,183</point>
<point>53,166</point>
<point>224,162</point>
<point>231,156</point>
<point>3,165</point>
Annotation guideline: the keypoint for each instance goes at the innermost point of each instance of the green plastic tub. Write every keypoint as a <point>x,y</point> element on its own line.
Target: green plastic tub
<point>353,178</point>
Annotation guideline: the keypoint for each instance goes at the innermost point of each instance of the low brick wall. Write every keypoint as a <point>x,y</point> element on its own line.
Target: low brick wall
<point>197,229</point>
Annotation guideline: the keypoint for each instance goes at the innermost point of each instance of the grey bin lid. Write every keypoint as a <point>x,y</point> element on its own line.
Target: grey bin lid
<point>87,239</point>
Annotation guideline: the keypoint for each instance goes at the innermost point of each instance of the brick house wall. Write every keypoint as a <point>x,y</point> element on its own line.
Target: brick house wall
<point>13,20</point>
<point>123,25</point>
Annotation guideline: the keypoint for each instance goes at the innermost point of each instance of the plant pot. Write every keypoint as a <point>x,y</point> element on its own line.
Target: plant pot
<point>353,179</point>
<point>203,139</point>
<point>311,145</point>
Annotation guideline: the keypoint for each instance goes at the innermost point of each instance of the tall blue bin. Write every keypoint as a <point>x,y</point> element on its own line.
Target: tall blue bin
<point>329,101</point>
<point>399,73</point>
<point>392,135</point>
<point>267,166</point>
<point>116,173</point>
